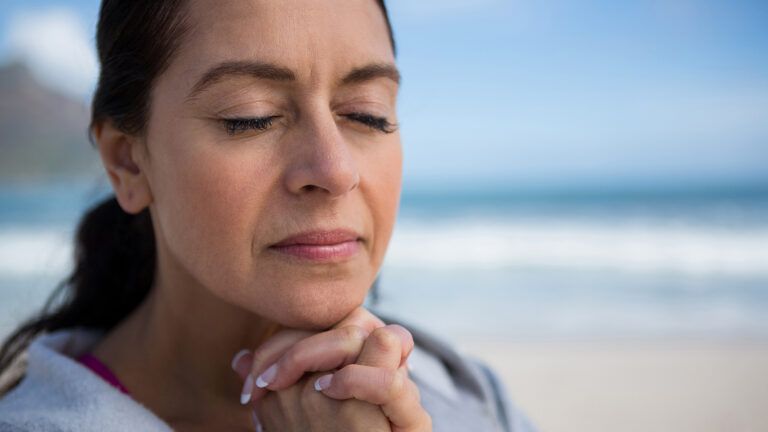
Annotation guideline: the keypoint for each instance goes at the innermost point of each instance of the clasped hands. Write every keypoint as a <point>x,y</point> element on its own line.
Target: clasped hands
<point>352,377</point>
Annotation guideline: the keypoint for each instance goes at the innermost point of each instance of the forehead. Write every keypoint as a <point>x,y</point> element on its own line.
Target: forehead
<point>314,38</point>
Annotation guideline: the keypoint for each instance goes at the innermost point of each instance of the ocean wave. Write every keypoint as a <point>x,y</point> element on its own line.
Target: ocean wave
<point>26,252</point>
<point>626,247</point>
<point>494,244</point>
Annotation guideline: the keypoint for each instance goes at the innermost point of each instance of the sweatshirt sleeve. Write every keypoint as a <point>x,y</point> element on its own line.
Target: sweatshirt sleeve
<point>512,418</point>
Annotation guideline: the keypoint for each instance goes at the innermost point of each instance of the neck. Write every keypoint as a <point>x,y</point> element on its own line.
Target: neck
<point>173,352</point>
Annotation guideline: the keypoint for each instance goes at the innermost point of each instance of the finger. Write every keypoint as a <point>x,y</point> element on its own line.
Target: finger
<point>242,362</point>
<point>266,354</point>
<point>387,347</point>
<point>397,395</point>
<point>361,317</point>
<point>320,352</point>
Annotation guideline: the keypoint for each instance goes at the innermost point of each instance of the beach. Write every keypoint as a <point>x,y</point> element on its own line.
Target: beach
<point>600,313</point>
<point>642,385</point>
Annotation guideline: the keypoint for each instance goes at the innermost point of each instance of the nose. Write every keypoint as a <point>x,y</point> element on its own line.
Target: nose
<point>322,159</point>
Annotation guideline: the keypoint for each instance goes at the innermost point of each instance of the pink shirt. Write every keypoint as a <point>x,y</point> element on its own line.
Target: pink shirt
<point>100,369</point>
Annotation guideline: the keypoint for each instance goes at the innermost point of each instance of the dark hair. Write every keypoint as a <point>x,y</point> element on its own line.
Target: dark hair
<point>114,250</point>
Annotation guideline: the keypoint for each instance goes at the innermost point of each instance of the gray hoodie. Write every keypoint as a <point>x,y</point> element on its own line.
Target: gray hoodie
<point>58,394</point>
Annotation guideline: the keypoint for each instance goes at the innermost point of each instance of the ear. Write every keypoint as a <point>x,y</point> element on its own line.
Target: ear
<point>126,161</point>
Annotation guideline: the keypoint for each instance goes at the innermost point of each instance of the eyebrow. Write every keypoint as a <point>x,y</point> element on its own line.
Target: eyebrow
<point>370,72</point>
<point>273,72</point>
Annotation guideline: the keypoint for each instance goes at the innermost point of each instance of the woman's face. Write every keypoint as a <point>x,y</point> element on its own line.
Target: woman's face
<point>223,193</point>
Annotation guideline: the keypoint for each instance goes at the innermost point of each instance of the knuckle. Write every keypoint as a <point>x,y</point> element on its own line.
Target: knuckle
<point>385,339</point>
<point>364,313</point>
<point>361,317</point>
<point>353,317</point>
<point>353,333</point>
<point>291,360</point>
<point>350,340</point>
<point>406,336</point>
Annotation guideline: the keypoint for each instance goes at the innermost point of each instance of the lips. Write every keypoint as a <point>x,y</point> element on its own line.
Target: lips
<point>320,238</point>
<point>321,246</point>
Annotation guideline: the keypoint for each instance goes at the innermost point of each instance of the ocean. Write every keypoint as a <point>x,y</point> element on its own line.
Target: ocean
<point>499,265</point>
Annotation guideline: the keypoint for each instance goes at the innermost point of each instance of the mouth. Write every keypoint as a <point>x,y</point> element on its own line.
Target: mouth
<point>321,246</point>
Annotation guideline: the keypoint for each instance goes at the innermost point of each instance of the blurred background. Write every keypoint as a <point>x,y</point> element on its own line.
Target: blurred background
<point>585,200</point>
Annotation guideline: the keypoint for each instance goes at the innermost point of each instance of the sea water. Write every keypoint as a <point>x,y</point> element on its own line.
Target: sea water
<point>491,263</point>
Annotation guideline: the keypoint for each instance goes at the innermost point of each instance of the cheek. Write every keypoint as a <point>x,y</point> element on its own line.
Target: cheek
<point>383,189</point>
<point>209,202</point>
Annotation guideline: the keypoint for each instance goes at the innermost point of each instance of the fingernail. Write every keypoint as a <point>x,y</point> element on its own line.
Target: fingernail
<point>267,377</point>
<point>256,422</point>
<point>237,358</point>
<point>323,382</point>
<point>245,395</point>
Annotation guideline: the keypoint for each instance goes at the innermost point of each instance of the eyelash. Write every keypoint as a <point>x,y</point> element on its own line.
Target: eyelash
<point>374,122</point>
<point>237,125</point>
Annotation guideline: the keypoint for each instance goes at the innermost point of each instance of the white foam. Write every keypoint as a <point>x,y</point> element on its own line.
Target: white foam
<point>493,244</point>
<point>589,245</point>
<point>32,252</point>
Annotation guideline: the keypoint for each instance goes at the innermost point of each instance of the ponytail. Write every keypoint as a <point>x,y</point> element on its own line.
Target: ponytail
<point>113,272</point>
<point>114,251</point>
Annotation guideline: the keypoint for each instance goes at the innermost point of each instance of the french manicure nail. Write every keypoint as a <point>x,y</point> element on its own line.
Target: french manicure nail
<point>323,382</point>
<point>245,395</point>
<point>237,358</point>
<point>256,422</point>
<point>268,377</point>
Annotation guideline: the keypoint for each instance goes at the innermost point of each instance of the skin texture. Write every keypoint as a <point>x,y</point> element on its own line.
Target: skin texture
<point>218,201</point>
<point>373,393</point>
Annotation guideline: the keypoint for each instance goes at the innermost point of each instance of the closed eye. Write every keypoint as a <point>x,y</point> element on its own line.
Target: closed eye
<point>235,126</point>
<point>374,122</point>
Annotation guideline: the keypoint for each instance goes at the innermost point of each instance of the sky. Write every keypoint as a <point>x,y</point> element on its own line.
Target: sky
<point>530,94</point>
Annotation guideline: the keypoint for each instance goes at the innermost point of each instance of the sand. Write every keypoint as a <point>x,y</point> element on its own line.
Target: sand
<point>682,385</point>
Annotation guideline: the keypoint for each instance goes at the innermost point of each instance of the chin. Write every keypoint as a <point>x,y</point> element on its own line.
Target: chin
<point>317,309</point>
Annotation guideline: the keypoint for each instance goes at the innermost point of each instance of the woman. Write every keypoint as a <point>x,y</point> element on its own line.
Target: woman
<point>256,165</point>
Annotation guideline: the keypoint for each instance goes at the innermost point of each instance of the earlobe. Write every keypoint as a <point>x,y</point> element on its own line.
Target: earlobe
<point>125,170</point>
